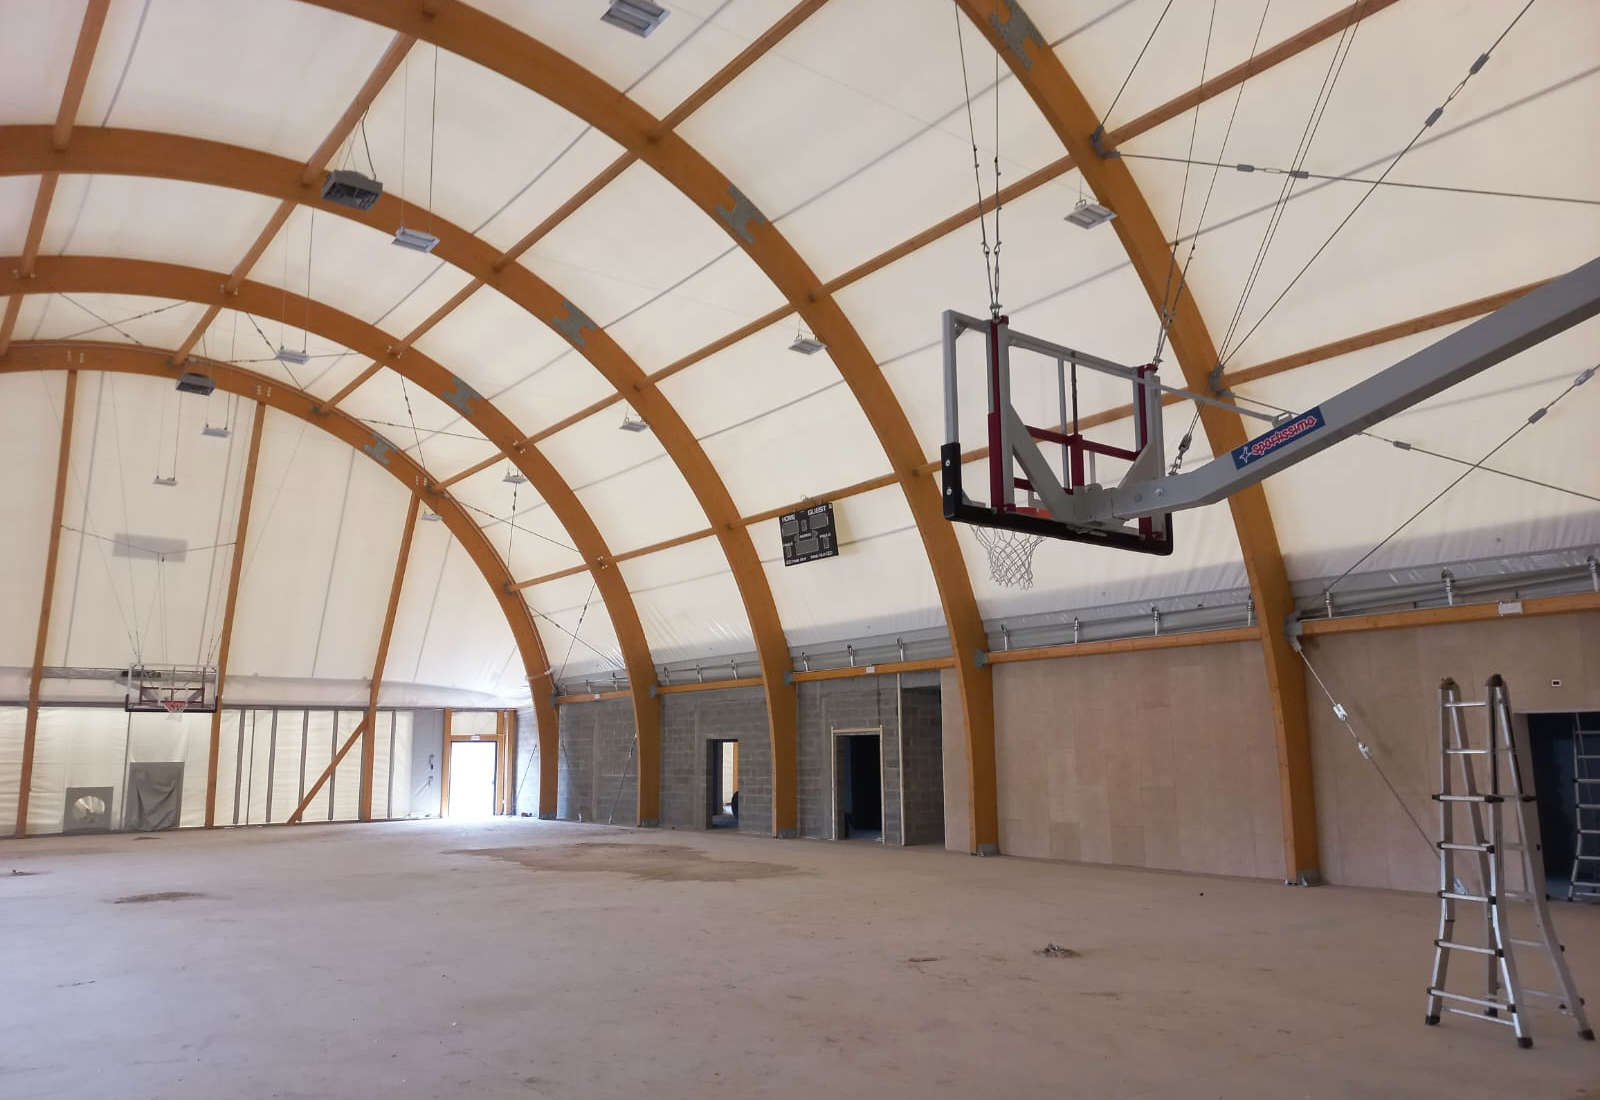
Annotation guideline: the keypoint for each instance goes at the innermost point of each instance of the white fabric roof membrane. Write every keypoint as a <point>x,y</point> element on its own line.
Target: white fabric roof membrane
<point>852,134</point>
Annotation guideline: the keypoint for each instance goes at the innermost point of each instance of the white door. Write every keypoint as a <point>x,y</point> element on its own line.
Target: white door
<point>472,778</point>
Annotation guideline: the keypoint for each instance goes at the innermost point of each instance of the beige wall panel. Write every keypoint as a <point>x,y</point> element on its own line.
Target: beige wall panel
<point>957,798</point>
<point>1389,681</point>
<point>1153,759</point>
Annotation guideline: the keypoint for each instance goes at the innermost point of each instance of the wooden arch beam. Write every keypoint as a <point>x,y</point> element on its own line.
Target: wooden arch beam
<point>1009,31</point>
<point>109,275</point>
<point>470,33</point>
<point>168,156</point>
<point>130,359</point>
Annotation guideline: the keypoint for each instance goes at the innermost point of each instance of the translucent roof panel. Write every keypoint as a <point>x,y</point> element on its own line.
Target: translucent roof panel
<point>803,449</point>
<point>30,420</point>
<point>595,453</point>
<point>1099,43</point>
<point>16,209</point>
<point>355,269</point>
<point>304,481</point>
<point>538,545</point>
<point>641,241</point>
<point>1337,506</point>
<point>475,139</point>
<point>722,295</point>
<point>154,219</point>
<point>577,630</point>
<point>35,54</point>
<point>689,603</point>
<point>879,583</point>
<point>466,641</point>
<point>694,41</point>
<point>563,169</point>
<point>642,504</point>
<point>119,605</point>
<point>291,72</point>
<point>493,343</point>
<point>108,318</point>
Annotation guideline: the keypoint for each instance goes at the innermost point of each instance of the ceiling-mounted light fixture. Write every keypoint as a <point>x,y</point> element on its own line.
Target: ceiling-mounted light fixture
<point>291,355</point>
<point>806,344</point>
<point>1088,214</point>
<point>514,477</point>
<point>167,482</point>
<point>639,16</point>
<point>193,381</point>
<point>415,239</point>
<point>430,515</point>
<point>632,423</point>
<point>218,431</point>
<point>348,188</point>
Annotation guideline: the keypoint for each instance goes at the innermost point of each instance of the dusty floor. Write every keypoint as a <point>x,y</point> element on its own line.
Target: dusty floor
<point>517,958</point>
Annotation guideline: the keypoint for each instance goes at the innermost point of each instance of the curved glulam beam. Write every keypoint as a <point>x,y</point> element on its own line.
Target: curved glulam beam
<point>1009,30</point>
<point>469,33</point>
<point>26,150</point>
<point>129,359</point>
<point>108,275</point>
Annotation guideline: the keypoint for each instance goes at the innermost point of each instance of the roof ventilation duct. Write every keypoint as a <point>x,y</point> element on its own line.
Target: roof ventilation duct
<point>351,189</point>
<point>193,381</point>
<point>639,16</point>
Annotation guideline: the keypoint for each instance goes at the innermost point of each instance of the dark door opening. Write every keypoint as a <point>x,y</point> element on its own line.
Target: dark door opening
<point>858,786</point>
<point>722,784</point>
<point>1551,740</point>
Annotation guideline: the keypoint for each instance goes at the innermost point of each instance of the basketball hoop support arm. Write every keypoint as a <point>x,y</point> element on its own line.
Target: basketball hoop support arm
<point>1551,309</point>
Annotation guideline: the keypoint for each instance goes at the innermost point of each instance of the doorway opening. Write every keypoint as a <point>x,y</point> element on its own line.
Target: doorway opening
<point>1566,747</point>
<point>722,784</point>
<point>858,784</point>
<point>473,767</point>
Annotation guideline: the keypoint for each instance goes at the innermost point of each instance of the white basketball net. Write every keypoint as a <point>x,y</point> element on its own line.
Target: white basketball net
<point>1010,555</point>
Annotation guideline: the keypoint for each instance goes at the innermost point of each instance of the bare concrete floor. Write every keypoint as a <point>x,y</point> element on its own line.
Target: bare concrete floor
<point>514,958</point>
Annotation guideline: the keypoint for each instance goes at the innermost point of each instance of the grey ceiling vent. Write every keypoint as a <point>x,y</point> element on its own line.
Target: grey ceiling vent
<point>1088,214</point>
<point>415,239</point>
<point>193,381</point>
<point>349,188</point>
<point>639,16</point>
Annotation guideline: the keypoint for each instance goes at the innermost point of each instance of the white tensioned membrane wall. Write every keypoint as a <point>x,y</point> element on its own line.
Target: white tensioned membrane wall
<point>851,135</point>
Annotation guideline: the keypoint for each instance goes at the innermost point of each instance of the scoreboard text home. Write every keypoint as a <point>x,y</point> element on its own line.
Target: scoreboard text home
<point>808,535</point>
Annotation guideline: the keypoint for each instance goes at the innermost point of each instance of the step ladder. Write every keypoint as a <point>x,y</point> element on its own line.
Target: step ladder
<point>1500,819</point>
<point>1584,882</point>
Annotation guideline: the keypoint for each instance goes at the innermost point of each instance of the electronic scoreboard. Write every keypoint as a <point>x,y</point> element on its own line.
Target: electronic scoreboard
<point>808,535</point>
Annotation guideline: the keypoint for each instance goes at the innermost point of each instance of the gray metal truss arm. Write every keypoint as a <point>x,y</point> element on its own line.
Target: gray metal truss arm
<point>1531,319</point>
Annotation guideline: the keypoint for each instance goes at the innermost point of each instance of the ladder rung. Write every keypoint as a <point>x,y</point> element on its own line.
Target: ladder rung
<point>1468,798</point>
<point>1453,896</point>
<point>1463,706</point>
<point>1448,946</point>
<point>1467,752</point>
<point>1517,895</point>
<point>1449,847</point>
<point>1481,1016</point>
<point>1527,943</point>
<point>1433,992</point>
<point>1541,993</point>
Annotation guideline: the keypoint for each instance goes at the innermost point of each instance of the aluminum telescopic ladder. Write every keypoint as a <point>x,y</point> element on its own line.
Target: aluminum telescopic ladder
<point>1584,882</point>
<point>1493,812</point>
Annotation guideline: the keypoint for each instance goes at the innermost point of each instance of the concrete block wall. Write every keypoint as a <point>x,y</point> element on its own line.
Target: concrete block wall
<point>599,771</point>
<point>828,705</point>
<point>688,722</point>
<point>921,711</point>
